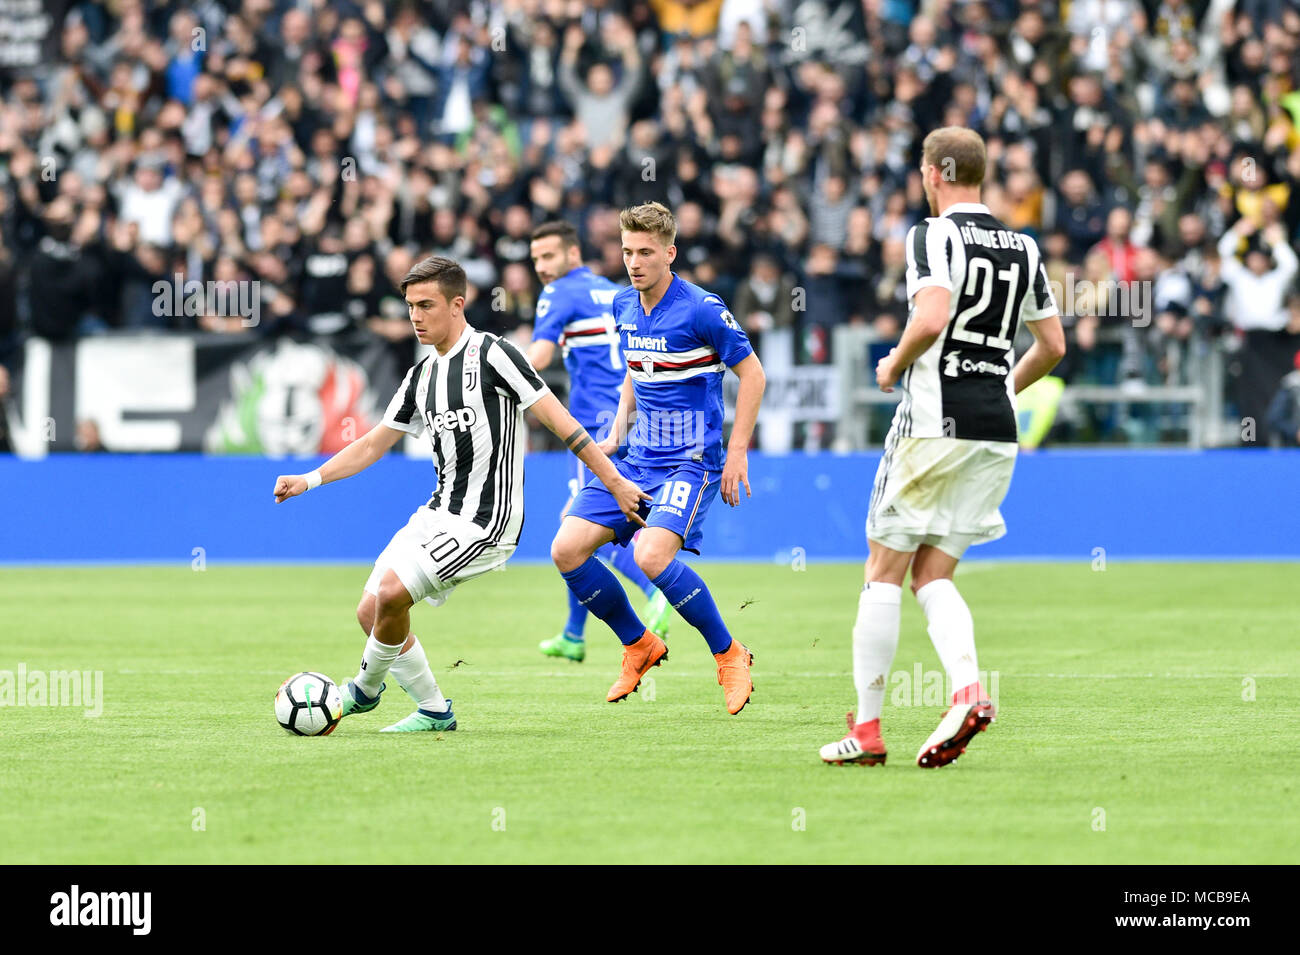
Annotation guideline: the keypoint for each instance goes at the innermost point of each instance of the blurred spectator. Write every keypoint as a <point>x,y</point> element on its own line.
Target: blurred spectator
<point>601,103</point>
<point>765,299</point>
<point>828,212</point>
<point>87,439</point>
<point>362,294</point>
<point>1284,409</point>
<point>1255,304</point>
<point>149,200</point>
<point>1080,214</point>
<point>827,300</point>
<point>1117,247</point>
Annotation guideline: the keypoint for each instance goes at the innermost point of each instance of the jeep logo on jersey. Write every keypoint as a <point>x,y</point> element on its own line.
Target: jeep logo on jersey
<point>453,419</point>
<point>954,368</point>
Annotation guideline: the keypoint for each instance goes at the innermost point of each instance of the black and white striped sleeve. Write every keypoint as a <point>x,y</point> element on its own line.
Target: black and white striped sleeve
<point>402,413</point>
<point>1039,302</point>
<point>513,374</point>
<point>928,255</point>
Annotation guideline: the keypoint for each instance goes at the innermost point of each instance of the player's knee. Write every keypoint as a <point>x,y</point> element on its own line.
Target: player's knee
<point>366,613</point>
<point>651,557</point>
<point>566,555</point>
<point>393,596</point>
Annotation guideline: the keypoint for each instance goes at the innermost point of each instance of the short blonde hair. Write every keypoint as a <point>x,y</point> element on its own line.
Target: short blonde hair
<point>652,217</point>
<point>959,154</point>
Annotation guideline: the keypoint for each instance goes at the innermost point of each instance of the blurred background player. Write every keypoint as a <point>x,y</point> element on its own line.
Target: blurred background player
<point>677,340</point>
<point>574,314</point>
<point>469,396</point>
<point>952,446</point>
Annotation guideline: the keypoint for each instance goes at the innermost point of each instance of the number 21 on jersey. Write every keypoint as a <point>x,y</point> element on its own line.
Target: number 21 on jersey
<point>980,280</point>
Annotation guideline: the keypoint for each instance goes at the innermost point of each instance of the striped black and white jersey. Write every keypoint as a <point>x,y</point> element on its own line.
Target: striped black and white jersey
<point>962,386</point>
<point>471,403</point>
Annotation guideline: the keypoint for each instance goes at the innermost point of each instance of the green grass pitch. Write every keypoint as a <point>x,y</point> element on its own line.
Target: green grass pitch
<point>1145,716</point>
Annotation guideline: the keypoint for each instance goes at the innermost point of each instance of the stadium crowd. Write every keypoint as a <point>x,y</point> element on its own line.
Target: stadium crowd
<point>319,148</point>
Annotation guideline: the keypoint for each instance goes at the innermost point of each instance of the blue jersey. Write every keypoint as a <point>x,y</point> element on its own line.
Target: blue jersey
<point>574,313</point>
<point>677,356</point>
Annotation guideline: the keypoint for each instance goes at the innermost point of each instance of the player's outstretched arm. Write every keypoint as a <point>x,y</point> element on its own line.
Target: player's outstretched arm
<point>356,457</point>
<point>1048,349</point>
<point>748,399</point>
<point>564,426</point>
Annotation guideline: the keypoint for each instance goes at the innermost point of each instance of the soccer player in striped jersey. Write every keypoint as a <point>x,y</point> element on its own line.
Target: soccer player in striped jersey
<point>952,446</point>
<point>677,340</point>
<point>574,314</point>
<point>469,397</point>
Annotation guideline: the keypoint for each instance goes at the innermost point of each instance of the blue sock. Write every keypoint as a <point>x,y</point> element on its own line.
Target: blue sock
<point>691,598</point>
<point>577,622</point>
<point>599,590</point>
<point>625,563</point>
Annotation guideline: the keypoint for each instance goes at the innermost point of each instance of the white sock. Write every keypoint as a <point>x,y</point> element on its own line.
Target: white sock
<point>375,661</point>
<point>411,670</point>
<point>952,631</point>
<point>875,641</point>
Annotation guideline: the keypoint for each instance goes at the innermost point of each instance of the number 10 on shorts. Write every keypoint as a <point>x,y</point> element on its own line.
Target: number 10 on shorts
<point>674,494</point>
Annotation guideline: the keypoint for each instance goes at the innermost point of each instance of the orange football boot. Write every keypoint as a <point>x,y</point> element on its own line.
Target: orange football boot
<point>733,675</point>
<point>638,658</point>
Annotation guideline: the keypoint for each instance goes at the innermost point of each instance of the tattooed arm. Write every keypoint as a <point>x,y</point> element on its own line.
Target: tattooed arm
<point>564,426</point>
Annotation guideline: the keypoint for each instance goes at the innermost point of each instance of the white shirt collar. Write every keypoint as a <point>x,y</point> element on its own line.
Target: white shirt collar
<point>971,207</point>
<point>460,343</point>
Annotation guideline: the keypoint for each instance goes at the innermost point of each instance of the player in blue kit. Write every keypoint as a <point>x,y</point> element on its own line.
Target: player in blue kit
<point>574,313</point>
<point>677,341</point>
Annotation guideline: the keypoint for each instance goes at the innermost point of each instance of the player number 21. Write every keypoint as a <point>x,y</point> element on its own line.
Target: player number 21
<point>984,267</point>
<point>675,494</point>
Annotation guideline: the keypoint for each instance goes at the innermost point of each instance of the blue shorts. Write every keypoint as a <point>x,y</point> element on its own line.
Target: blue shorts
<point>682,495</point>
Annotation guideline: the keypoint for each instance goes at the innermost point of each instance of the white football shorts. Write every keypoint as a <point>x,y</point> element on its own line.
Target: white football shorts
<point>436,552</point>
<point>944,492</point>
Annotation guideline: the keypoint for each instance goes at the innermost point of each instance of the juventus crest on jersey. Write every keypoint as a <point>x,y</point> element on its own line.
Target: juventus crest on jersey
<point>962,386</point>
<point>470,402</point>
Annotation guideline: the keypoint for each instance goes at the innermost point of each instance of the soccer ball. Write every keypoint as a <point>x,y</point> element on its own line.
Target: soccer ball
<point>308,704</point>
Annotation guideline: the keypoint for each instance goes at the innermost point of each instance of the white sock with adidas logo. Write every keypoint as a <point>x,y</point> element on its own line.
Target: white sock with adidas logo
<point>875,641</point>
